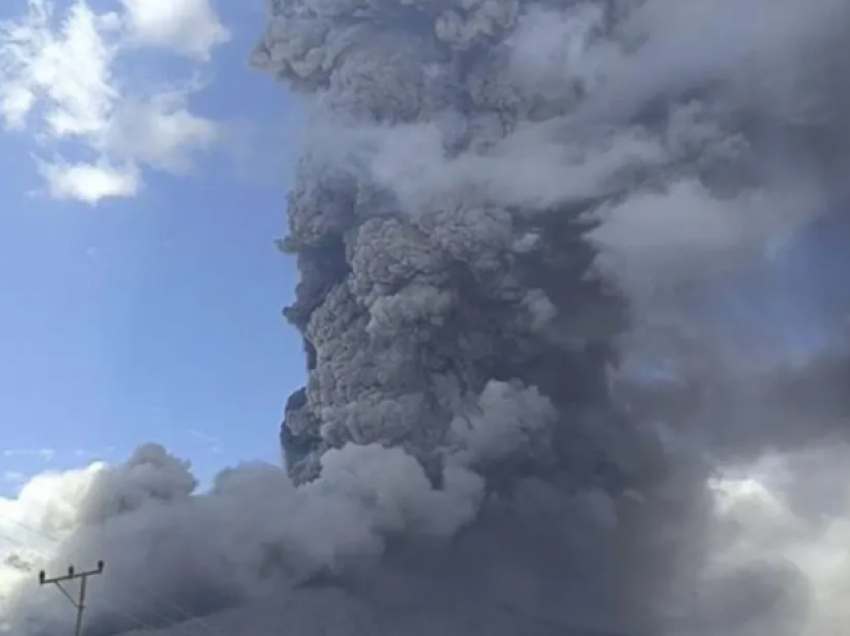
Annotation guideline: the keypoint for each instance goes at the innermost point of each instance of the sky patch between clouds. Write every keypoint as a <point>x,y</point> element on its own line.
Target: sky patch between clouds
<point>97,133</point>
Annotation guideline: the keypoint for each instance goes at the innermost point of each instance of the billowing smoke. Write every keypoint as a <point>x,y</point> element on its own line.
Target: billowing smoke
<point>508,217</point>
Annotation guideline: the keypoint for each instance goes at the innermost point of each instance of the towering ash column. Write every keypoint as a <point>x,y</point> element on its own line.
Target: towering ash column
<point>428,298</point>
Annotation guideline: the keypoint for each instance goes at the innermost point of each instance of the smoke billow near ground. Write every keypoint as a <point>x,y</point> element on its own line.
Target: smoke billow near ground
<point>507,215</point>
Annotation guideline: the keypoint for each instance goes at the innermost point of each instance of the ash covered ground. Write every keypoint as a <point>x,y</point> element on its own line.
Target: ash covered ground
<point>507,216</point>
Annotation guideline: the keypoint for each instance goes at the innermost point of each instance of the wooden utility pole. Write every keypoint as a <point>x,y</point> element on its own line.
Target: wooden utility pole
<point>80,602</point>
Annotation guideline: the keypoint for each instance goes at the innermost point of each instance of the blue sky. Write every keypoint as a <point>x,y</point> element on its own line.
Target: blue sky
<point>141,295</point>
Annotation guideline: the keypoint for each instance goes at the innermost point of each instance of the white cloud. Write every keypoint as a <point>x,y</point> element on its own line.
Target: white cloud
<point>90,182</point>
<point>188,26</point>
<point>160,132</point>
<point>60,80</point>
<point>67,70</point>
<point>45,454</point>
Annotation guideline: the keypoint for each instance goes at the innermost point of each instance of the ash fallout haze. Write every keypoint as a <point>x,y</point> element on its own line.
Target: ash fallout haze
<point>572,300</point>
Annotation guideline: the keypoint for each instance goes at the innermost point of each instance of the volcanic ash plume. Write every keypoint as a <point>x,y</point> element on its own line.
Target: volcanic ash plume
<point>499,202</point>
<point>489,189</point>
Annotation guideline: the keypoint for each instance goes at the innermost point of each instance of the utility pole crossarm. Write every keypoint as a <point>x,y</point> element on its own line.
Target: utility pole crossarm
<point>80,602</point>
<point>72,574</point>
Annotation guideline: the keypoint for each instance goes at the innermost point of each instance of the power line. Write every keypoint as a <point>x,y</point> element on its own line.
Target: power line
<point>80,602</point>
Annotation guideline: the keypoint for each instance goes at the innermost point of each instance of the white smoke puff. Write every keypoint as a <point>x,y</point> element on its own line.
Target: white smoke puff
<point>393,487</point>
<point>51,502</point>
<point>647,233</point>
<point>678,47</point>
<point>526,243</point>
<point>509,418</point>
<point>560,55</point>
<point>527,168</point>
<point>541,309</point>
<point>536,165</point>
<point>757,523</point>
<point>671,249</point>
